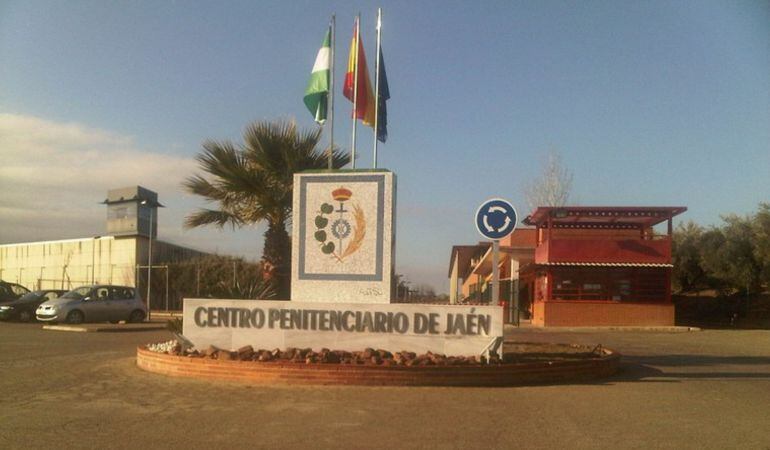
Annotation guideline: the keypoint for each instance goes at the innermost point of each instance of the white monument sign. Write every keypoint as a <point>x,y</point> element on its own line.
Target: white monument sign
<point>343,237</point>
<point>449,330</point>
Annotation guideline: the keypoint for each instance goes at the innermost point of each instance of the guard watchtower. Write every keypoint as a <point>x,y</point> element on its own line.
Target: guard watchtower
<point>132,211</point>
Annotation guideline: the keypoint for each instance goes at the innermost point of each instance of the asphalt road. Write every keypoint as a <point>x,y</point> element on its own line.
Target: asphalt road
<point>708,389</point>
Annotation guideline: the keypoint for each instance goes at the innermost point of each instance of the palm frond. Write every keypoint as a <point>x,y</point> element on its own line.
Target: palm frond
<point>212,217</point>
<point>198,185</point>
<point>254,181</point>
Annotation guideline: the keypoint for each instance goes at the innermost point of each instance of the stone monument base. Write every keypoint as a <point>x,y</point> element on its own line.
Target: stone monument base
<point>251,372</point>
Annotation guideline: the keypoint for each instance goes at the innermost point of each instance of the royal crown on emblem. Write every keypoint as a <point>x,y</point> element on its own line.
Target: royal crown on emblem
<point>341,194</point>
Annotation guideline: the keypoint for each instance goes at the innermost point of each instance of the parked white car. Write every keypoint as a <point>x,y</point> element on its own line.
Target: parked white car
<point>96,303</point>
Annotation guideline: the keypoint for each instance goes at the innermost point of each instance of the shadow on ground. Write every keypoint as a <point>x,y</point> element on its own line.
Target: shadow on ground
<point>653,368</point>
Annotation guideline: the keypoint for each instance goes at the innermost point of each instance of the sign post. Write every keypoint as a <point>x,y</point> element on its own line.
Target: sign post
<point>496,219</point>
<point>495,272</point>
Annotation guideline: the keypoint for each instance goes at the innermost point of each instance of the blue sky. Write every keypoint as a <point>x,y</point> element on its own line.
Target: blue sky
<point>649,103</point>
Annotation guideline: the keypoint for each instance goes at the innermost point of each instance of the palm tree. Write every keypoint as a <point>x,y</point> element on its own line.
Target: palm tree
<point>252,183</point>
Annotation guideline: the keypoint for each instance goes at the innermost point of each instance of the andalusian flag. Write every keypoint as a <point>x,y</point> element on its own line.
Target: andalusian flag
<point>317,92</point>
<point>364,107</point>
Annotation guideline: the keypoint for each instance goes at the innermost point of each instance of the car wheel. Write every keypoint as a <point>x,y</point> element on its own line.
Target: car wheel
<point>25,315</point>
<point>75,317</point>
<point>136,316</point>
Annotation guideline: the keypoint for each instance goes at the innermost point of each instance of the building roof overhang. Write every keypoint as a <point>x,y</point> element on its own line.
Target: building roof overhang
<point>602,216</point>
<point>522,254</point>
<point>464,254</point>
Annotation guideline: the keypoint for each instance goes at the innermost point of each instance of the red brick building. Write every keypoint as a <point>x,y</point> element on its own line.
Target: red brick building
<point>470,266</point>
<point>586,266</point>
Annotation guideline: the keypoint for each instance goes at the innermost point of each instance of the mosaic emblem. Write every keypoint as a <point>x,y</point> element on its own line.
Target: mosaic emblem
<point>346,228</point>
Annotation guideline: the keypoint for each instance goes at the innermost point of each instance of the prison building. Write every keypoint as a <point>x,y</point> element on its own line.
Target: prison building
<point>114,258</point>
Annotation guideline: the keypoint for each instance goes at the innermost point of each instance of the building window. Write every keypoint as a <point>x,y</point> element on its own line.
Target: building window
<point>627,284</point>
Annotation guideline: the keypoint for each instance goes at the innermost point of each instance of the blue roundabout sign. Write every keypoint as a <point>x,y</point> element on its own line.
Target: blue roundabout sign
<point>496,218</point>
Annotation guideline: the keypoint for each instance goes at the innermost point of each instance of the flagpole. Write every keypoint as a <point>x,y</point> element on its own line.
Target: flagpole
<point>355,88</point>
<point>377,85</point>
<point>331,97</point>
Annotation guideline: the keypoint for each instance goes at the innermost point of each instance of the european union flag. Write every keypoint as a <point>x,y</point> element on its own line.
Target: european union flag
<point>384,95</point>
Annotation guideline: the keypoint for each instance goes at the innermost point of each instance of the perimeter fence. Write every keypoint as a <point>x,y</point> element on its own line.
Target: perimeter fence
<point>206,277</point>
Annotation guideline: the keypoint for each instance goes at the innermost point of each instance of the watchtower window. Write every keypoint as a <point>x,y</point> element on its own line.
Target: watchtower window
<point>120,212</point>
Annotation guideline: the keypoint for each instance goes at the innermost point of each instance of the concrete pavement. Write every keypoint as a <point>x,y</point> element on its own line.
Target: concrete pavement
<point>708,389</point>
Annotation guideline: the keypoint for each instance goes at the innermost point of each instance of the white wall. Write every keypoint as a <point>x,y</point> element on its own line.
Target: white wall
<point>69,263</point>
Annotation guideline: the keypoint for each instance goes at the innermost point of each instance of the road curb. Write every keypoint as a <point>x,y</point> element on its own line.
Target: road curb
<point>65,328</point>
<point>105,328</point>
<point>674,329</point>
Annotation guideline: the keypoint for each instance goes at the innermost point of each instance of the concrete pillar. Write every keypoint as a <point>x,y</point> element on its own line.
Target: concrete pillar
<point>453,278</point>
<point>515,288</point>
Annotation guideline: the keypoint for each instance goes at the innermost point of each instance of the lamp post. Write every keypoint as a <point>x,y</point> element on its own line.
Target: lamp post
<point>93,259</point>
<point>152,205</point>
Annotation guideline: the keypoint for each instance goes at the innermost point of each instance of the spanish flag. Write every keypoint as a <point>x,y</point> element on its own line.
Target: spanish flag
<point>364,102</point>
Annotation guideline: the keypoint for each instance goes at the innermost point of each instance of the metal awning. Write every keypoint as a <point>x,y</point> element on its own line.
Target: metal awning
<point>591,264</point>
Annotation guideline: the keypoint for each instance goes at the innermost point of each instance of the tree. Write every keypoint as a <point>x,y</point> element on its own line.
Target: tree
<point>727,255</point>
<point>688,274</point>
<point>744,269</point>
<point>761,225</point>
<point>734,257</point>
<point>401,287</point>
<point>553,186</point>
<point>425,290</point>
<point>252,183</point>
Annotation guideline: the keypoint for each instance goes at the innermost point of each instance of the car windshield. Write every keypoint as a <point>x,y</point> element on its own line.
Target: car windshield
<point>77,293</point>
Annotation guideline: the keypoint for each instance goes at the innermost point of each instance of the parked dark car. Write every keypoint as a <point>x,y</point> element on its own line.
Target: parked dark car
<point>23,308</point>
<point>11,291</point>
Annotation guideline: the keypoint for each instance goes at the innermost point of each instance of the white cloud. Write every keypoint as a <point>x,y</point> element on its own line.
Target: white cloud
<point>52,176</point>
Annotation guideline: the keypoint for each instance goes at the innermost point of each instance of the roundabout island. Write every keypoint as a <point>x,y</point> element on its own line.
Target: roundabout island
<point>528,364</point>
<point>341,325</point>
